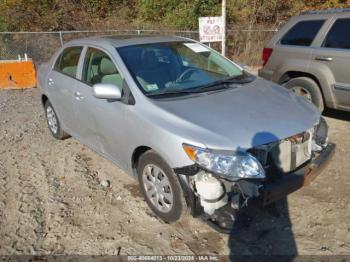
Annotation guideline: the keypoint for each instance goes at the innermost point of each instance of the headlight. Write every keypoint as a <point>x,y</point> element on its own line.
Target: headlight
<point>229,164</point>
<point>321,133</point>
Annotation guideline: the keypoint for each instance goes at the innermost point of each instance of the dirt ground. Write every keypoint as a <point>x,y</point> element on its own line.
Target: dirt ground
<point>52,202</point>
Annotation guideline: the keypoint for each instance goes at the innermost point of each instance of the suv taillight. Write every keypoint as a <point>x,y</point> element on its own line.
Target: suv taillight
<point>266,55</point>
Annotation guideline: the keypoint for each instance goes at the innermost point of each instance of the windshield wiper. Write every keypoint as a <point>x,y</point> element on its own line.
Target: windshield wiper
<point>245,78</point>
<point>239,80</point>
<point>204,88</point>
<point>216,85</point>
<point>173,92</point>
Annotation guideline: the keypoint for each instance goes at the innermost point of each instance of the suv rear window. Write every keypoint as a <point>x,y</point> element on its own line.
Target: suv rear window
<point>338,36</point>
<point>302,33</point>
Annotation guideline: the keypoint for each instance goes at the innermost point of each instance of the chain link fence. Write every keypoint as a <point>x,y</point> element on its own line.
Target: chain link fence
<point>243,46</point>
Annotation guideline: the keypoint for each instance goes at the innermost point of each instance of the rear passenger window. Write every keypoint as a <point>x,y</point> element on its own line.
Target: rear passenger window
<point>338,36</point>
<point>303,33</point>
<point>67,62</point>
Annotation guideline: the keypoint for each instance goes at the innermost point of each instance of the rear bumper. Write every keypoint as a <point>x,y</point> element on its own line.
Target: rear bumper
<point>294,181</point>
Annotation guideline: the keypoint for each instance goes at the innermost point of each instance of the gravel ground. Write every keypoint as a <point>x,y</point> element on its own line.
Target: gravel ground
<point>52,201</point>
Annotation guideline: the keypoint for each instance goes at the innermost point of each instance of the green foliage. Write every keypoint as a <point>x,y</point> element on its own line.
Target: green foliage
<point>22,15</point>
<point>101,7</point>
<point>25,15</point>
<point>177,13</point>
<point>324,4</point>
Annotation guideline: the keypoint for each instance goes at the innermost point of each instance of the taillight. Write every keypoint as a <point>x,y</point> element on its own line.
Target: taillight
<point>266,55</point>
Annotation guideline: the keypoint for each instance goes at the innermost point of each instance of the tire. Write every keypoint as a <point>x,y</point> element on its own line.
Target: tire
<point>308,88</point>
<point>168,209</point>
<point>53,122</point>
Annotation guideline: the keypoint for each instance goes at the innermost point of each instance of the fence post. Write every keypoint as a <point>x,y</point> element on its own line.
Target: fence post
<point>61,38</point>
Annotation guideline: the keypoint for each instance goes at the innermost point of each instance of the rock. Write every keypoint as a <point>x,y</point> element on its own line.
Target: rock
<point>105,183</point>
<point>324,248</point>
<point>118,198</point>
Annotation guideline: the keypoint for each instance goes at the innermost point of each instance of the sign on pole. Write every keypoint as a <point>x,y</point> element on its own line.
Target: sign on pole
<point>211,29</point>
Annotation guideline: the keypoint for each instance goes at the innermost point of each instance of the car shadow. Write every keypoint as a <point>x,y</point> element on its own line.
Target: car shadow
<point>263,232</point>
<point>337,114</point>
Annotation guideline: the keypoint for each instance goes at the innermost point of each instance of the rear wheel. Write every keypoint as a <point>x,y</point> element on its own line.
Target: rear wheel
<point>308,88</point>
<point>160,187</point>
<point>53,122</point>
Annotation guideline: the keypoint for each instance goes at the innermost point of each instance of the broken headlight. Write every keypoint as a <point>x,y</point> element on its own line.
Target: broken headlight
<point>229,164</point>
<point>321,133</point>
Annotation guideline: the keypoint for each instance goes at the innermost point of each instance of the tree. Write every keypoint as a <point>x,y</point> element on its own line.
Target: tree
<point>38,15</point>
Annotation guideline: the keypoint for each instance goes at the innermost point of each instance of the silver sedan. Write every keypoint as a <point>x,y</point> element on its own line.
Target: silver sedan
<point>198,131</point>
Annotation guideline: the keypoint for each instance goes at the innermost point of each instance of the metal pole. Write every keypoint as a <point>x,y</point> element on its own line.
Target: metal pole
<point>61,38</point>
<point>223,14</point>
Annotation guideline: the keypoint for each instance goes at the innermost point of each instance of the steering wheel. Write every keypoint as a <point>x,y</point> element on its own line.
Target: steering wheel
<point>187,73</point>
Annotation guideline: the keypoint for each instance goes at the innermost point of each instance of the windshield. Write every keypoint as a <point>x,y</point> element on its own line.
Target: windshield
<point>176,66</point>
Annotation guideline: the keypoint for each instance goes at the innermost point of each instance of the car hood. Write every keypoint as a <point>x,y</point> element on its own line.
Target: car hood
<point>241,117</point>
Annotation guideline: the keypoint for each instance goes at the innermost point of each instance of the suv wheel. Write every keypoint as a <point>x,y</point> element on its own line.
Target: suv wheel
<point>308,88</point>
<point>160,187</point>
<point>53,122</point>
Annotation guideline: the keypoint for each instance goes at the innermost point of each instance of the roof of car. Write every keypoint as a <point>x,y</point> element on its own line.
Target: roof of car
<point>126,40</point>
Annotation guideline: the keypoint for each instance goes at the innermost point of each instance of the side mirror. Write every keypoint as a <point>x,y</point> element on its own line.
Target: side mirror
<point>107,91</point>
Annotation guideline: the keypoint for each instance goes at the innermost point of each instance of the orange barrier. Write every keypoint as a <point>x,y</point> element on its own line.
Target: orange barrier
<point>16,74</point>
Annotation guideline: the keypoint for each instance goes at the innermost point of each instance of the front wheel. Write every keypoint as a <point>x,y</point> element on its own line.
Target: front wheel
<point>308,88</point>
<point>160,187</point>
<point>53,122</point>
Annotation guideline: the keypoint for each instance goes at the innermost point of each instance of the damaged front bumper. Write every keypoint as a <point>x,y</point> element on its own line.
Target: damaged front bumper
<point>237,195</point>
<point>289,183</point>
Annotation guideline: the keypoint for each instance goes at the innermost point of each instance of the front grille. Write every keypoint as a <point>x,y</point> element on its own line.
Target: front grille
<point>285,155</point>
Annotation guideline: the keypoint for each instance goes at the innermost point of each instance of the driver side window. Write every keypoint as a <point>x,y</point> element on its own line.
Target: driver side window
<point>99,68</point>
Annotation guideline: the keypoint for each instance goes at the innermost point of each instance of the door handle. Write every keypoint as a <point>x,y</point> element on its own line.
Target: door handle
<point>51,82</point>
<point>324,58</point>
<point>78,95</point>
